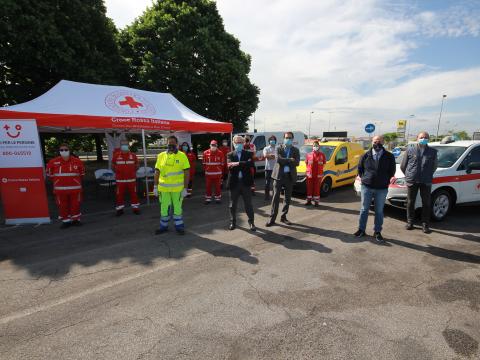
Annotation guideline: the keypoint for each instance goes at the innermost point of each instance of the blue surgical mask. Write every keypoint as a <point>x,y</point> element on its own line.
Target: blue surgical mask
<point>272,142</point>
<point>423,141</point>
<point>288,142</point>
<point>238,147</point>
<point>185,148</point>
<point>124,147</point>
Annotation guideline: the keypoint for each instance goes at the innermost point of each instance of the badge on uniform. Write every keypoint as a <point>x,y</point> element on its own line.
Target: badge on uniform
<point>177,161</point>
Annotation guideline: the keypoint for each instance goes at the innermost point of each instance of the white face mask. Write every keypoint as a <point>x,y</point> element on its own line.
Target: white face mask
<point>213,148</point>
<point>65,153</point>
<point>315,148</point>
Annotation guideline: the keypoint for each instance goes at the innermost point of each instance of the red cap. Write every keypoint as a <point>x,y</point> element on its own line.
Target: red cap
<point>213,142</point>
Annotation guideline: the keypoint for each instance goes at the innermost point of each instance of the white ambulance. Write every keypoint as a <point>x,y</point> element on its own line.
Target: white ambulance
<point>456,181</point>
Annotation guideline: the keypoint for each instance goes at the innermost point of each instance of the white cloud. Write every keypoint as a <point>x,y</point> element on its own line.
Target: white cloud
<point>349,61</point>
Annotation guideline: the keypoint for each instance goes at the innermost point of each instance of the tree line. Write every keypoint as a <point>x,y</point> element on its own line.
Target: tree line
<point>175,46</point>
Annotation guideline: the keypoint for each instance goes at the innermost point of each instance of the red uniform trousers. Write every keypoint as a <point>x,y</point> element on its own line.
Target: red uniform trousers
<point>122,187</point>
<point>214,181</point>
<point>68,203</point>
<point>313,188</point>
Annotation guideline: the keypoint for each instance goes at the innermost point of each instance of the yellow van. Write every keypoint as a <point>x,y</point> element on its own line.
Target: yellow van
<point>341,167</point>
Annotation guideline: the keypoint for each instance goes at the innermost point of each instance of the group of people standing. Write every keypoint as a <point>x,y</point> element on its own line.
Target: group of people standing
<point>175,170</point>
<point>377,168</point>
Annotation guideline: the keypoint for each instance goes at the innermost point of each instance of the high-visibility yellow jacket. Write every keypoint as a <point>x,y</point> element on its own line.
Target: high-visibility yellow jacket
<point>171,167</point>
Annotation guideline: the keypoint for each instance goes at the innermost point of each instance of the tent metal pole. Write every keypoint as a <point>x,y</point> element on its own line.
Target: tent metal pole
<point>231,141</point>
<point>145,165</point>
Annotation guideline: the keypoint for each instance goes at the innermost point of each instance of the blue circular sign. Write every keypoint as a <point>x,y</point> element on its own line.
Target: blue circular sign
<point>396,152</point>
<point>369,128</point>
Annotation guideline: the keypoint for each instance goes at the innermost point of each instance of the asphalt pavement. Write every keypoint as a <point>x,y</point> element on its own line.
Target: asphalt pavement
<point>111,289</point>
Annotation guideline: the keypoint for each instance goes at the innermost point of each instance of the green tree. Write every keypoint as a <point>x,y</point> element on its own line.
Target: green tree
<point>181,47</point>
<point>44,41</point>
<point>390,137</point>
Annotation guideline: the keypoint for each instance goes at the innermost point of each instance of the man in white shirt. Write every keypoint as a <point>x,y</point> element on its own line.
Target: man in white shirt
<point>270,158</point>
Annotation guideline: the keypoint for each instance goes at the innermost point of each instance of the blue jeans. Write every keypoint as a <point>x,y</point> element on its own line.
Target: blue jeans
<point>379,196</point>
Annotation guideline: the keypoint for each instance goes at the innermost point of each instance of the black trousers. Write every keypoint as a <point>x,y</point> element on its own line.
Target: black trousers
<point>268,182</point>
<point>286,182</point>
<point>425,194</point>
<point>244,191</point>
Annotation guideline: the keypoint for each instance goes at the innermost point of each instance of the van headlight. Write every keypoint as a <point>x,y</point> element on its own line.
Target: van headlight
<point>398,181</point>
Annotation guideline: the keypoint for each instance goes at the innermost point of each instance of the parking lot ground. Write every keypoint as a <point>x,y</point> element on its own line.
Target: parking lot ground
<point>112,290</point>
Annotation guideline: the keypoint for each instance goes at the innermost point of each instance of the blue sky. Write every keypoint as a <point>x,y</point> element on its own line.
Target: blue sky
<point>355,62</point>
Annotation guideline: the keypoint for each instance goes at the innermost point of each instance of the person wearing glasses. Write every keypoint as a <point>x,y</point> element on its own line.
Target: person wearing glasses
<point>284,174</point>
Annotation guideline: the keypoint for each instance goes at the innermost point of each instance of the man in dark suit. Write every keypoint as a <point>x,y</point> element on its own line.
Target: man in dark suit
<point>284,175</point>
<point>240,163</point>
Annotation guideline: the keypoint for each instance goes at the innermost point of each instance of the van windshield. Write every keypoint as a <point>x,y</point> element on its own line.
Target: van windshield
<point>327,150</point>
<point>448,155</point>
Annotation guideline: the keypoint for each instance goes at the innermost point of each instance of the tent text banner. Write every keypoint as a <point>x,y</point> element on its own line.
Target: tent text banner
<point>22,183</point>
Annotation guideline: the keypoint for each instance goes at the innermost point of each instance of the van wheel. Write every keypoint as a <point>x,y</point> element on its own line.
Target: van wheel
<point>326,187</point>
<point>441,204</point>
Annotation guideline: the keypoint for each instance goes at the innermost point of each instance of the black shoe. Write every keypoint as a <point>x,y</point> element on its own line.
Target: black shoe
<point>207,202</point>
<point>309,202</point>
<point>232,226</point>
<point>267,197</point>
<point>270,223</point>
<point>359,233</point>
<point>253,193</point>
<point>119,212</point>
<point>379,238</point>
<point>426,228</point>
<point>409,226</point>
<point>316,204</point>
<point>160,231</point>
<point>136,211</point>
<point>285,221</point>
<point>252,227</point>
<point>181,231</point>
<point>218,202</point>
<point>76,223</point>
<point>66,225</point>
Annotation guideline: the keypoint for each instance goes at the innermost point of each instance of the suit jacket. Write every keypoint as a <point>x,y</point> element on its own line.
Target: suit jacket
<point>246,163</point>
<point>282,160</point>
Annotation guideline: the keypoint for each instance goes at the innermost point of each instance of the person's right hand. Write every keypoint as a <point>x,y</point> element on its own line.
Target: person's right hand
<point>155,191</point>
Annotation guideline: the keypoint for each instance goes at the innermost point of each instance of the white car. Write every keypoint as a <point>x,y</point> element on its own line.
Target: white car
<point>456,181</point>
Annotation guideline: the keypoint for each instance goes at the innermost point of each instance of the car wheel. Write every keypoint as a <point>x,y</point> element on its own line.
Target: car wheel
<point>326,187</point>
<point>441,204</point>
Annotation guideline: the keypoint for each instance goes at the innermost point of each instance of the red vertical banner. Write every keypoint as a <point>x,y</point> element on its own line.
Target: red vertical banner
<point>22,180</point>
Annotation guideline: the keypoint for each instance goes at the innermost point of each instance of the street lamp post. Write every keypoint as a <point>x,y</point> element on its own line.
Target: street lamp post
<point>408,126</point>
<point>310,123</point>
<point>440,116</point>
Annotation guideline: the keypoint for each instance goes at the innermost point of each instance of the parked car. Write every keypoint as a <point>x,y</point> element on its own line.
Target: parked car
<point>456,181</point>
<point>341,167</point>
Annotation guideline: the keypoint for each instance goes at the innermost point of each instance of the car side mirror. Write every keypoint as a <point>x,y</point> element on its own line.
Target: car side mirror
<point>340,161</point>
<point>473,166</point>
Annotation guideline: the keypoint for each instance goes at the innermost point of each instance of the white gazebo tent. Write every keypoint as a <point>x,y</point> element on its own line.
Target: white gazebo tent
<point>89,108</point>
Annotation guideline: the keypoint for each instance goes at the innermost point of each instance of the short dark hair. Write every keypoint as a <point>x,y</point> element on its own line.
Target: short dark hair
<point>173,137</point>
<point>289,133</point>
<point>273,137</point>
<point>64,145</point>
<point>316,142</point>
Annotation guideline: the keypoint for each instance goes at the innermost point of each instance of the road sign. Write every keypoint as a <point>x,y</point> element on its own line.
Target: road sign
<point>369,128</point>
<point>396,152</point>
<point>401,124</point>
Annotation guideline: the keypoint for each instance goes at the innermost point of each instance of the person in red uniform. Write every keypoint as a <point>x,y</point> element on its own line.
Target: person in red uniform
<point>315,161</point>
<point>225,149</point>
<point>66,172</point>
<point>125,165</point>
<point>248,146</point>
<point>192,159</point>
<point>213,163</point>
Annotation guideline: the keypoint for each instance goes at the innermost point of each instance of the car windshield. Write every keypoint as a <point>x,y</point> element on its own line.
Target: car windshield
<point>327,150</point>
<point>448,155</point>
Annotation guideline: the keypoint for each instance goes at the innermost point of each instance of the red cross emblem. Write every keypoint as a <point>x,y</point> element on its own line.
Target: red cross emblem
<point>130,101</point>
<point>478,186</point>
<point>18,127</point>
